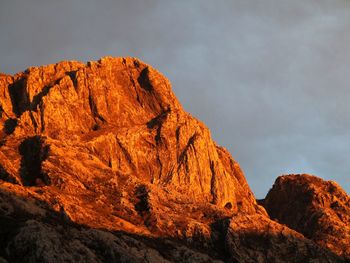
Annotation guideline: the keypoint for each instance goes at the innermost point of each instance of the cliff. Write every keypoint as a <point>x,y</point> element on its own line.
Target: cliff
<point>100,163</point>
<point>318,209</point>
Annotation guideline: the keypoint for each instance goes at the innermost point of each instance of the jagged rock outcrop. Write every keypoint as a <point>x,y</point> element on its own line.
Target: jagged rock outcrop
<point>256,238</point>
<point>124,113</point>
<point>100,163</point>
<point>318,209</point>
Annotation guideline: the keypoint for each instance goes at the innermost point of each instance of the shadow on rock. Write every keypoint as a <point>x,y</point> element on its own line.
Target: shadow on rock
<point>34,152</point>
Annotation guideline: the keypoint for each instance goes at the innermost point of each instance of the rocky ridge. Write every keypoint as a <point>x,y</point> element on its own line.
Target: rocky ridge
<point>100,163</point>
<point>318,209</point>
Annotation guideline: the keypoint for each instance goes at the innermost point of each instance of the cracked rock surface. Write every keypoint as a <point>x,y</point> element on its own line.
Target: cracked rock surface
<point>318,209</point>
<point>100,163</point>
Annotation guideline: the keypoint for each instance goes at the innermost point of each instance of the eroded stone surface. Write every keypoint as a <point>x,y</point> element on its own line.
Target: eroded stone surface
<point>122,112</point>
<point>100,163</point>
<point>255,238</point>
<point>316,208</point>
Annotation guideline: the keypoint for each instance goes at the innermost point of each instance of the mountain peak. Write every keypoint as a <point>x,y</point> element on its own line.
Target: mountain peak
<point>105,151</point>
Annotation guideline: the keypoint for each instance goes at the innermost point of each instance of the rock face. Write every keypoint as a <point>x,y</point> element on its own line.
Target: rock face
<point>124,113</point>
<point>318,209</point>
<point>258,239</point>
<point>100,163</point>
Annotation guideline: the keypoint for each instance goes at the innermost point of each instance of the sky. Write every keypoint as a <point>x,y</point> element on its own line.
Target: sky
<point>269,78</point>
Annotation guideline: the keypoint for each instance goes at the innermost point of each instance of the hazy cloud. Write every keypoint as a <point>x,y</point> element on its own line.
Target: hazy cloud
<point>269,78</point>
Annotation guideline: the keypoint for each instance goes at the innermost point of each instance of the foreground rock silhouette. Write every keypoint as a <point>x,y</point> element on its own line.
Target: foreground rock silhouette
<point>100,163</point>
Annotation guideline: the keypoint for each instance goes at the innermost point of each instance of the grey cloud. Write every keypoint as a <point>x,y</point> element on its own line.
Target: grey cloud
<point>269,78</point>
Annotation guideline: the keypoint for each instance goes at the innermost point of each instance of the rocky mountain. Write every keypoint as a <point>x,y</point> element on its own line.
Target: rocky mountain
<point>100,163</point>
<point>318,209</point>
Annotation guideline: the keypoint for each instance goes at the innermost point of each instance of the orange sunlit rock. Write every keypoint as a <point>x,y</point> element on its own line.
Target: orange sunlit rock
<point>100,163</point>
<point>316,208</point>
